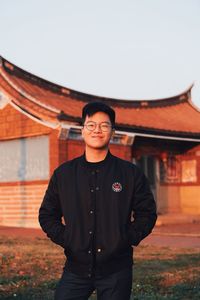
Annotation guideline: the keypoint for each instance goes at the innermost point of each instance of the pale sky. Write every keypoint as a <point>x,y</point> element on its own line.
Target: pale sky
<point>127,49</point>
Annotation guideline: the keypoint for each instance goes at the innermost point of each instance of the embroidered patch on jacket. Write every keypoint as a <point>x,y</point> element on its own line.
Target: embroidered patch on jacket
<point>117,187</point>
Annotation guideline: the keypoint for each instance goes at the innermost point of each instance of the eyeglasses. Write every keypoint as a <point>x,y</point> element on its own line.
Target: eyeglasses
<point>104,126</point>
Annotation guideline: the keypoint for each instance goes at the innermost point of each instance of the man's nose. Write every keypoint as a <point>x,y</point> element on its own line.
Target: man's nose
<point>97,128</point>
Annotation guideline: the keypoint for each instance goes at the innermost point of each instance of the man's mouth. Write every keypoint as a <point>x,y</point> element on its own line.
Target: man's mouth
<point>97,136</point>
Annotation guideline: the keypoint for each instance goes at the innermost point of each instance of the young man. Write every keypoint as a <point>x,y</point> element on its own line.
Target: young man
<point>96,194</point>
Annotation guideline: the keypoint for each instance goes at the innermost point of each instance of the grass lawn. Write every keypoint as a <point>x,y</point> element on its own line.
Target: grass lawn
<point>30,269</point>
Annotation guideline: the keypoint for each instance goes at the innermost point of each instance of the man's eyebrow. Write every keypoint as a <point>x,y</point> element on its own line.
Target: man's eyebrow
<point>99,122</point>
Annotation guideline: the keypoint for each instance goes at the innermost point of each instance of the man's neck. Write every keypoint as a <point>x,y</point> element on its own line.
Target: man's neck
<point>95,155</point>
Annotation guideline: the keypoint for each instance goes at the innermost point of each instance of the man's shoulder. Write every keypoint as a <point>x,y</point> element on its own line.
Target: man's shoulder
<point>123,162</point>
<point>68,165</point>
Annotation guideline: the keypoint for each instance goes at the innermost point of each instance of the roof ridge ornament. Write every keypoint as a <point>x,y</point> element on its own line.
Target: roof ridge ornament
<point>144,103</point>
<point>65,91</point>
<point>9,65</point>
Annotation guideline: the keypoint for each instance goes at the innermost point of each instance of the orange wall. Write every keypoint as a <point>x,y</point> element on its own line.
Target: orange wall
<point>14,124</point>
<point>178,199</point>
<point>20,202</point>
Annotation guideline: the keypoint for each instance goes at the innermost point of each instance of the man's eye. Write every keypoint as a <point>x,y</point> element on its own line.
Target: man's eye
<point>104,126</point>
<point>91,126</point>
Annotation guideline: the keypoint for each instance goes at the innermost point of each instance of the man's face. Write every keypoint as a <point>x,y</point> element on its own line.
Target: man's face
<point>97,131</point>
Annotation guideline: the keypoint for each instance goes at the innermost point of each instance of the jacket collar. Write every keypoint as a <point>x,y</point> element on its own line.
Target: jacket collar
<point>97,165</point>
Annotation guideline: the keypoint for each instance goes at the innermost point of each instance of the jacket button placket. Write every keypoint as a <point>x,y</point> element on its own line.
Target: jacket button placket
<point>94,188</point>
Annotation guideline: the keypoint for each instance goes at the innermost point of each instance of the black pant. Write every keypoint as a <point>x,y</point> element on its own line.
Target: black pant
<point>116,286</point>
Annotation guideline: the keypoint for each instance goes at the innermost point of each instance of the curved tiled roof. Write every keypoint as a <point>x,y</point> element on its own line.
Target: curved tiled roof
<point>175,116</point>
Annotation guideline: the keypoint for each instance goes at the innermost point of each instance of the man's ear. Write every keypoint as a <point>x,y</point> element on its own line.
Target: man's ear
<point>113,133</point>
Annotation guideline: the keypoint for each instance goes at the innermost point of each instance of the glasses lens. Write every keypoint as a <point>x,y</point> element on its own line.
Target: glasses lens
<point>103,126</point>
<point>91,126</point>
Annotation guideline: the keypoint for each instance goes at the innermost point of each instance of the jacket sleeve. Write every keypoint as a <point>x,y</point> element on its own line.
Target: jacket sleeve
<point>144,209</point>
<point>50,213</point>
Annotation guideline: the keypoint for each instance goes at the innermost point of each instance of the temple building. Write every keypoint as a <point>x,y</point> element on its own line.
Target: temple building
<point>40,127</point>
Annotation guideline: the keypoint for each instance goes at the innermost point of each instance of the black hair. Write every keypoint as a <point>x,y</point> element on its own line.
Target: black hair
<point>93,107</point>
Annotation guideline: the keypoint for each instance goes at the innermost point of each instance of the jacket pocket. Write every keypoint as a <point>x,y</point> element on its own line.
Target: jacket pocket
<point>123,243</point>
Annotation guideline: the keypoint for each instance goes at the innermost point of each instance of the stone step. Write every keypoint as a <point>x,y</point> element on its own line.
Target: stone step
<point>177,219</point>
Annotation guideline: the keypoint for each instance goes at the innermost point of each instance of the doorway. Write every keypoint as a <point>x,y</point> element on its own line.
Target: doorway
<point>149,165</point>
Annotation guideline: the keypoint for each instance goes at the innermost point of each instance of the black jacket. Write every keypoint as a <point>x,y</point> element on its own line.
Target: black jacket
<point>96,201</point>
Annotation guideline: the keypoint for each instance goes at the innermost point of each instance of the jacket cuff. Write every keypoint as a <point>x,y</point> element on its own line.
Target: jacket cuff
<point>58,236</point>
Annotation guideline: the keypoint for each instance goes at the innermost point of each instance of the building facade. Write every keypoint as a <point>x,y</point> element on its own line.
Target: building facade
<point>40,127</point>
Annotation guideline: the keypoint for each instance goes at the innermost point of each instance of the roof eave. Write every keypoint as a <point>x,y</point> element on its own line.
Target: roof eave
<point>80,96</point>
<point>158,132</point>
